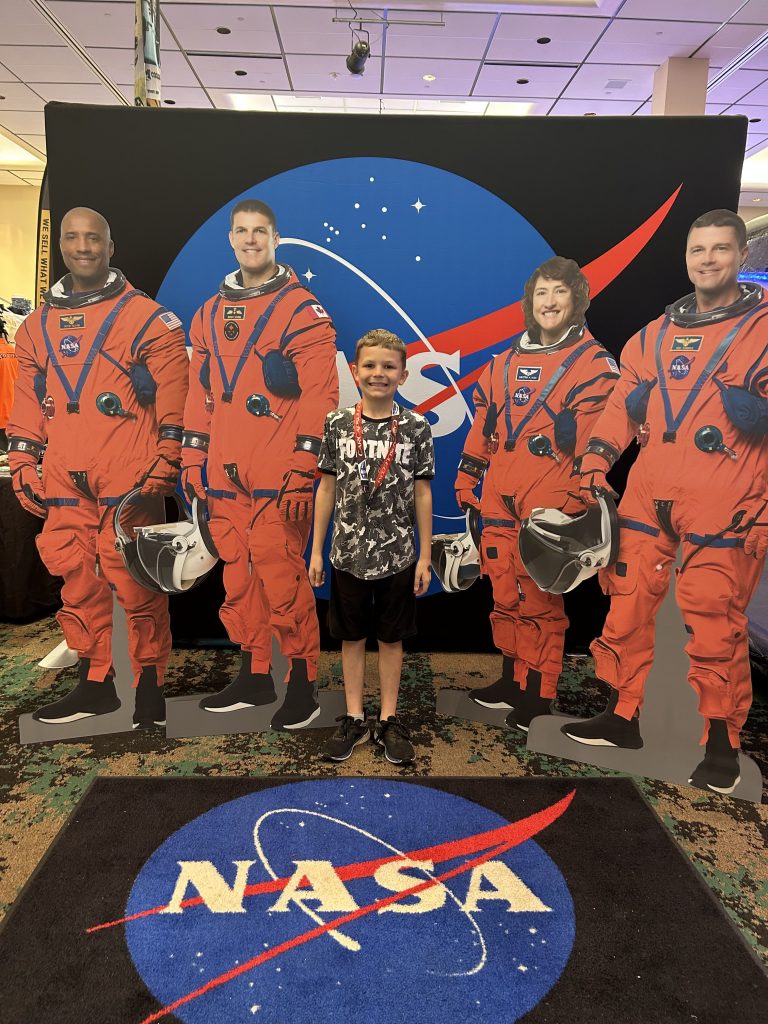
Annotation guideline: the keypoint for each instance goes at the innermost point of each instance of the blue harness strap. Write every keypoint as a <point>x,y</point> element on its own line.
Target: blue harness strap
<point>673,422</point>
<point>567,363</point>
<point>73,394</point>
<point>253,339</point>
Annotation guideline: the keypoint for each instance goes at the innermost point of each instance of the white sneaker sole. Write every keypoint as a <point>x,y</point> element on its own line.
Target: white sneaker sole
<point>305,723</point>
<point>241,706</point>
<point>720,789</point>
<point>499,705</point>
<point>70,718</point>
<point>593,742</point>
<point>346,757</point>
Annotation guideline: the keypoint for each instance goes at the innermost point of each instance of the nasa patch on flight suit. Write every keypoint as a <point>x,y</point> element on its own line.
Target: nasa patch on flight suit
<point>680,367</point>
<point>234,312</point>
<point>522,396</point>
<point>69,321</point>
<point>528,373</point>
<point>686,342</point>
<point>231,330</point>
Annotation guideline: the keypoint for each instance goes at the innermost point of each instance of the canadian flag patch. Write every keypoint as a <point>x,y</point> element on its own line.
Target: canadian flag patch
<point>319,312</point>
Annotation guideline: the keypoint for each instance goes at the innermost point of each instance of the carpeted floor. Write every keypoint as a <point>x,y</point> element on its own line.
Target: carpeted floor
<point>725,839</point>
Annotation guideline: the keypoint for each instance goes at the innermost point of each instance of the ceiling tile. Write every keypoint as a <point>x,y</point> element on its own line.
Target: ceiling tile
<point>649,42</point>
<point>312,30</point>
<point>261,72</point>
<point>23,25</point>
<point>315,74</point>
<point>7,178</point>
<point>572,38</point>
<point>16,96</point>
<point>591,82</point>
<point>26,122</point>
<point>95,23</point>
<point>38,141</point>
<point>679,10</point>
<point>76,93</point>
<point>6,75</point>
<point>241,99</point>
<point>452,77</point>
<point>736,86</point>
<point>251,28</point>
<point>501,82</point>
<point>756,98</point>
<point>45,64</point>
<point>728,43</point>
<point>755,11</point>
<point>118,65</point>
<point>578,108</point>
<point>463,35</point>
<point>757,63</point>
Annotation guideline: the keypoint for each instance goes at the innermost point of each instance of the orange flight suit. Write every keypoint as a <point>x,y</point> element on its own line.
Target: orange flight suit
<point>259,426</point>
<point>73,352</point>
<point>528,624</point>
<point>699,466</point>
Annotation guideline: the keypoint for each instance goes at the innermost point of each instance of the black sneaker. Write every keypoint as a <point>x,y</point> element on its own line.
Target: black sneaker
<point>247,690</point>
<point>391,734</point>
<point>149,708</point>
<point>719,771</point>
<point>89,698</point>
<point>528,709</point>
<point>607,729</point>
<point>300,706</point>
<point>350,733</point>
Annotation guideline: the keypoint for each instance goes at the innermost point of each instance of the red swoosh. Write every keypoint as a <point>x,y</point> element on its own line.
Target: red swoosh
<point>493,328</point>
<point>517,833</point>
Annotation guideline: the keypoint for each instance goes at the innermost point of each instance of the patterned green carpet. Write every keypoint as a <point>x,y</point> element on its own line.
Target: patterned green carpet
<point>725,839</point>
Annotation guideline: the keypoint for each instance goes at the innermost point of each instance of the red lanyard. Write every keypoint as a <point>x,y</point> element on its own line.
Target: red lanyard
<point>362,465</point>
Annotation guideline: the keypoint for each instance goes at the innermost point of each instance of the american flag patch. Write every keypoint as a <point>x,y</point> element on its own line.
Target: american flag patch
<point>170,320</point>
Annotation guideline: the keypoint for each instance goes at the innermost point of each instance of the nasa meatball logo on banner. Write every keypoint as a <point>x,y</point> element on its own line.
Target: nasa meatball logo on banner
<point>69,345</point>
<point>238,914</point>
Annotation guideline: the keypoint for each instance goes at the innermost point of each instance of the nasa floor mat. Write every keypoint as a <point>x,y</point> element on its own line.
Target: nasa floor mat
<point>289,901</point>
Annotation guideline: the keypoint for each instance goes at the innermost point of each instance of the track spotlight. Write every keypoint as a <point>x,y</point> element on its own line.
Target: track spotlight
<point>359,54</point>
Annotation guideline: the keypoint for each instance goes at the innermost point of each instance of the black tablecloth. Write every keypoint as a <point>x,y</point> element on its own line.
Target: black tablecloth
<point>27,589</point>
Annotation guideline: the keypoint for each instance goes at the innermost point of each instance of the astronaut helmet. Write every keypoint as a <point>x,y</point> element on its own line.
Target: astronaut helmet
<point>559,551</point>
<point>456,556</point>
<point>168,558</point>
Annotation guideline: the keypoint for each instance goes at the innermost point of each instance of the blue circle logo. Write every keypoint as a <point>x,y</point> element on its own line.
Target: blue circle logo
<point>680,367</point>
<point>522,396</point>
<point>379,242</point>
<point>297,903</point>
<point>69,345</point>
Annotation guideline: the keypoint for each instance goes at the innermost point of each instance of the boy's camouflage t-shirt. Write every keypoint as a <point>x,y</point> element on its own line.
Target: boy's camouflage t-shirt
<point>375,537</point>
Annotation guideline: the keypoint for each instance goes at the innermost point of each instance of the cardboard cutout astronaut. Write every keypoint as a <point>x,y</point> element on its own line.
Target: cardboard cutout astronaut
<point>101,388</point>
<point>535,407</point>
<point>694,393</point>
<point>262,378</point>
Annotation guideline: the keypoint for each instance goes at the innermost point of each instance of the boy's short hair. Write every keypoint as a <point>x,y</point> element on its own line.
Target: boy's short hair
<point>379,338</point>
<point>253,206</point>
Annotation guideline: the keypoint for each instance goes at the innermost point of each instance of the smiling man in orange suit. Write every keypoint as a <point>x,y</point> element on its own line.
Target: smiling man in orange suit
<point>534,408</point>
<point>694,392</point>
<point>262,378</point>
<point>101,388</point>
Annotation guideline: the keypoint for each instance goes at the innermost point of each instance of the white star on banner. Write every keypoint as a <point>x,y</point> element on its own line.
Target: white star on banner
<point>418,206</point>
<point>309,275</point>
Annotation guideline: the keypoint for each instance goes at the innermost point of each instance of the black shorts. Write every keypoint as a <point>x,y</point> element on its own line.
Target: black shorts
<point>388,604</point>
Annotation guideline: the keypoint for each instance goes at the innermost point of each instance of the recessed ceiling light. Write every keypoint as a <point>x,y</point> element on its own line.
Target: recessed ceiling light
<point>223,30</point>
<point>590,113</point>
<point>429,78</point>
<point>523,81</point>
<point>756,199</point>
<point>2,97</point>
<point>543,40</point>
<point>240,73</point>
<point>171,103</point>
<point>754,120</point>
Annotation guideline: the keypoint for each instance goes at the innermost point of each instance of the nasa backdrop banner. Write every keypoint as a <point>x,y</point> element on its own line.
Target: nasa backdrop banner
<point>426,226</point>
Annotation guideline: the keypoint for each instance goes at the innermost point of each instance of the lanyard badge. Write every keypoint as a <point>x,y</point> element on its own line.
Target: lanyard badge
<point>362,465</point>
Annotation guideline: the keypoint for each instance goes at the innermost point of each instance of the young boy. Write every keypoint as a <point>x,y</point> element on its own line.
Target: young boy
<point>376,461</point>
